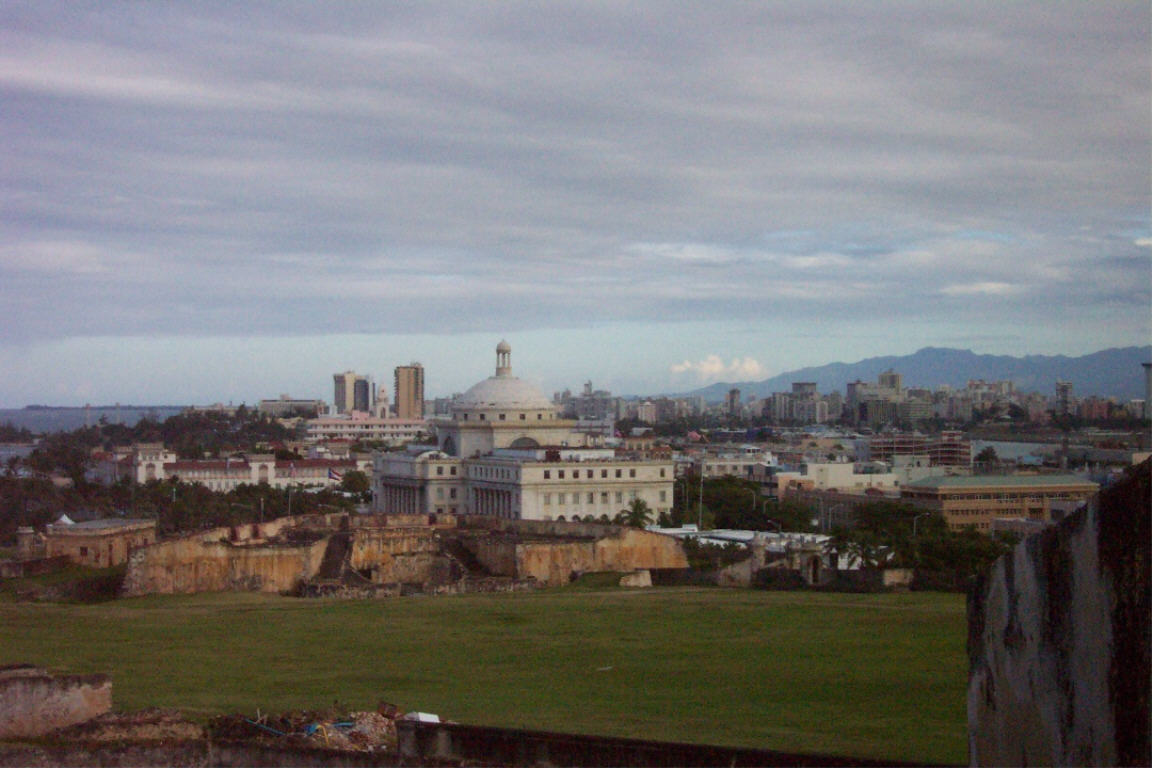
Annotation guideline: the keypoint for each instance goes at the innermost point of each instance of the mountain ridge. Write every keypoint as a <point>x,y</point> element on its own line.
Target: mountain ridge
<point>1114,372</point>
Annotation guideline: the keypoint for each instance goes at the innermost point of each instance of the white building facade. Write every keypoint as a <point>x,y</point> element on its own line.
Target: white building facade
<point>505,452</point>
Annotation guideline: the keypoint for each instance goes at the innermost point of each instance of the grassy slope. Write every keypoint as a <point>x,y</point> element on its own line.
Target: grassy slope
<point>869,675</point>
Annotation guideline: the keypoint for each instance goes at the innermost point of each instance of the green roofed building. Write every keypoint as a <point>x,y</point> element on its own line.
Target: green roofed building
<point>979,500</point>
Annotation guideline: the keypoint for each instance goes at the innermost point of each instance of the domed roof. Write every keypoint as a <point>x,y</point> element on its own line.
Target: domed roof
<point>503,390</point>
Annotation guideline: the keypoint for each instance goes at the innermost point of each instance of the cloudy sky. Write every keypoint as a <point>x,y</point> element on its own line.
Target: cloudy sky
<point>206,202</point>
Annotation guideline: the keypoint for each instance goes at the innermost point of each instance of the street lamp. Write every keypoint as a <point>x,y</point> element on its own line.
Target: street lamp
<point>916,520</point>
<point>700,503</point>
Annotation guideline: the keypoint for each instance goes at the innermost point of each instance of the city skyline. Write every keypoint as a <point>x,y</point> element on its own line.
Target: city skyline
<point>204,202</point>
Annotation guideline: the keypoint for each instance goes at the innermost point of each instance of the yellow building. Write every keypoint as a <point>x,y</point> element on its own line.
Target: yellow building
<point>978,501</point>
<point>99,543</point>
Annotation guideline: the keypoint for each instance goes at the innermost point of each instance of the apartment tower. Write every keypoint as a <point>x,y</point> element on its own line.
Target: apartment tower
<point>410,391</point>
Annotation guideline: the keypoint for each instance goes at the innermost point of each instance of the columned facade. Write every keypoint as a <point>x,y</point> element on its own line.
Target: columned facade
<point>505,453</point>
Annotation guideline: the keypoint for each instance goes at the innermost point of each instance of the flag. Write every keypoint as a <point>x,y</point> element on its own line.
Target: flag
<point>334,475</point>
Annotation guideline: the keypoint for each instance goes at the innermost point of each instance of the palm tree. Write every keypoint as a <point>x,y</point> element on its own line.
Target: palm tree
<point>637,514</point>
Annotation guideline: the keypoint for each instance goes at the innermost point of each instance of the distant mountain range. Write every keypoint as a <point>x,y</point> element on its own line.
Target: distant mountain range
<point>1108,373</point>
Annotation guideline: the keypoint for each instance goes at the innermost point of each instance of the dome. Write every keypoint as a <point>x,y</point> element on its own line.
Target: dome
<point>507,392</point>
<point>503,391</point>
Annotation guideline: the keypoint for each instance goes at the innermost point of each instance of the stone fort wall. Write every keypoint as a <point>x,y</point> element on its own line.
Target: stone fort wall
<point>1059,641</point>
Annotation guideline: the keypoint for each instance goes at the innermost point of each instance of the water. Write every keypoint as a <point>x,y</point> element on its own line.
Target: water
<point>50,419</point>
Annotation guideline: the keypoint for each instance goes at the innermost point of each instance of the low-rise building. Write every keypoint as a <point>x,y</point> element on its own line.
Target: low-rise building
<point>979,500</point>
<point>99,543</point>
<point>362,426</point>
<point>145,463</point>
<point>946,449</point>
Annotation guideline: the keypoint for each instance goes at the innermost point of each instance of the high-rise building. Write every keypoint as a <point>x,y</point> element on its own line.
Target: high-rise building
<point>353,392</point>
<point>891,380</point>
<point>410,391</point>
<point>732,403</point>
<point>343,391</point>
<point>363,394</point>
<point>1147,390</point>
<point>1065,404</point>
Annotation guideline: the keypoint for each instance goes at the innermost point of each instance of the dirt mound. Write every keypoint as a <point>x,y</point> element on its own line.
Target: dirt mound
<point>145,725</point>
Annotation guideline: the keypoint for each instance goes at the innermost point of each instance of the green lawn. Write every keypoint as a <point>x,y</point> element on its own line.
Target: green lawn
<point>868,675</point>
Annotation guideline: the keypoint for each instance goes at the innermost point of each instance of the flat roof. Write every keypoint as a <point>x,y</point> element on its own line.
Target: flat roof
<point>998,481</point>
<point>102,525</point>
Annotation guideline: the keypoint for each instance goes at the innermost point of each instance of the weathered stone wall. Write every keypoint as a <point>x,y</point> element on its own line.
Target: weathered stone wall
<point>381,520</point>
<point>251,558</point>
<point>497,554</point>
<point>396,555</point>
<point>622,549</point>
<point>1059,641</point>
<point>33,702</point>
<point>18,569</point>
<point>209,563</point>
<point>553,552</point>
<point>556,563</point>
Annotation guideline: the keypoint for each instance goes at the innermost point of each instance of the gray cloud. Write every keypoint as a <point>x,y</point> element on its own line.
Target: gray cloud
<point>222,168</point>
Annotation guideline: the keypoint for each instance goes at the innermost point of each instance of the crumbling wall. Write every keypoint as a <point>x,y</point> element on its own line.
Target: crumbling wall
<point>33,702</point>
<point>497,554</point>
<point>396,555</point>
<point>555,563</point>
<point>622,549</point>
<point>1059,641</point>
<point>203,563</point>
<point>633,549</point>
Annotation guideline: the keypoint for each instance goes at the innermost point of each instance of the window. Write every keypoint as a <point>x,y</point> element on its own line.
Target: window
<point>603,473</point>
<point>560,474</point>
<point>631,473</point>
<point>451,493</point>
<point>547,499</point>
<point>439,470</point>
<point>563,498</point>
<point>619,497</point>
<point>603,497</point>
<point>547,474</point>
<point>452,470</point>
<point>522,417</point>
<point>502,417</point>
<point>589,474</point>
<point>481,417</point>
<point>591,497</point>
<point>539,417</point>
<point>617,473</point>
<point>661,471</point>
<point>663,496</point>
<point>439,493</point>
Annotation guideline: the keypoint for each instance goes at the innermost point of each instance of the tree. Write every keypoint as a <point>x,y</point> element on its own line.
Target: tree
<point>987,459</point>
<point>636,515</point>
<point>356,481</point>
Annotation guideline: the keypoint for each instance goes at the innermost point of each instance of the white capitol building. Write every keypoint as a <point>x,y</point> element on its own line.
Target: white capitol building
<point>505,452</point>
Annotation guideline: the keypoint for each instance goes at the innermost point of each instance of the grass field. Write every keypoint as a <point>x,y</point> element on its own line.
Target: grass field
<point>868,675</point>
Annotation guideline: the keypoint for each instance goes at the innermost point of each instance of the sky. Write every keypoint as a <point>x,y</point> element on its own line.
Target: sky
<point>221,202</point>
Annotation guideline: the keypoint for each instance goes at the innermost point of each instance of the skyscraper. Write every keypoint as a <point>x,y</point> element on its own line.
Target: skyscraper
<point>344,391</point>
<point>363,394</point>
<point>410,391</point>
<point>352,392</point>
